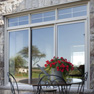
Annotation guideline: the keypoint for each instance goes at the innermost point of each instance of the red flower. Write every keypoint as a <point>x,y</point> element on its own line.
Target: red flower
<point>63,60</point>
<point>61,64</point>
<point>54,57</point>
<point>62,70</point>
<point>57,67</point>
<point>59,61</point>
<point>47,62</point>
<point>61,57</point>
<point>72,68</point>
<point>52,60</point>
<point>53,63</point>
<point>45,65</point>
<point>50,65</point>
<point>67,68</point>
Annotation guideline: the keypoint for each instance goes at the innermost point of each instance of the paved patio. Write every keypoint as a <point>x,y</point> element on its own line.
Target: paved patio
<point>9,92</point>
<point>2,91</point>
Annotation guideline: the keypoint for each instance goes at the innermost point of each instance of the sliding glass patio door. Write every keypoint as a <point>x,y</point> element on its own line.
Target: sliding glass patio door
<point>62,40</point>
<point>19,55</point>
<point>42,48</point>
<point>71,43</point>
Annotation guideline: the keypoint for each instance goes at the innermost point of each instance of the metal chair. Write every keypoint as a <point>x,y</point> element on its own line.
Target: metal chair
<point>80,69</point>
<point>12,80</point>
<point>13,83</point>
<point>81,85</point>
<point>53,83</point>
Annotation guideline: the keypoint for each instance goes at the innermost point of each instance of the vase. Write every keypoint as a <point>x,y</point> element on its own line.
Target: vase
<point>64,76</point>
<point>55,72</point>
<point>58,73</point>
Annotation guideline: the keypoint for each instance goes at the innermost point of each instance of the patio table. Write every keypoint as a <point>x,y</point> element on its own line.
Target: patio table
<point>70,81</point>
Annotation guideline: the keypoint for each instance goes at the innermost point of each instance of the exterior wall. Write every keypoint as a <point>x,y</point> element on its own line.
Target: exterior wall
<point>92,43</point>
<point>13,6</point>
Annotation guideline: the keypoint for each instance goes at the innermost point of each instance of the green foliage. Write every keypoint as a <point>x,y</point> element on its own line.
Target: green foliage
<point>24,52</point>
<point>16,63</point>
<point>36,54</point>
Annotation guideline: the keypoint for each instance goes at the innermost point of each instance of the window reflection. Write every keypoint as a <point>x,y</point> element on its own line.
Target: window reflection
<point>42,17</point>
<point>72,12</point>
<point>71,42</point>
<point>22,20</point>
<point>77,55</point>
<point>18,57</point>
<point>42,48</point>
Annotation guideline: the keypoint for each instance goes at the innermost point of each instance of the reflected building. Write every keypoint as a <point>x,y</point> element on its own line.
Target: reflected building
<point>78,55</point>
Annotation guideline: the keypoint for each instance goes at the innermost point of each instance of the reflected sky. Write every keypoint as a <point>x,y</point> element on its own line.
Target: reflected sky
<point>70,40</point>
<point>17,41</point>
<point>43,39</point>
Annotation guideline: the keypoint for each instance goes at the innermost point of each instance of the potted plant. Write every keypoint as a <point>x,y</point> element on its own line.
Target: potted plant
<point>60,66</point>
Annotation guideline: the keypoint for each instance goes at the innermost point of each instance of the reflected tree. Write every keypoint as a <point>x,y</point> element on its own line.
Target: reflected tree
<point>17,62</point>
<point>24,52</point>
<point>36,54</point>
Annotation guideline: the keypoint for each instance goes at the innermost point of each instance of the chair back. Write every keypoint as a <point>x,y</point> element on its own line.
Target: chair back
<point>13,82</point>
<point>81,85</point>
<point>85,76</point>
<point>46,84</point>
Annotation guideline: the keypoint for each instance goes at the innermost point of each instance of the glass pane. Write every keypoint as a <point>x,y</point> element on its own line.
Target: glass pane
<point>83,13</point>
<point>18,55</point>
<point>13,20</point>
<point>18,21</point>
<point>79,8</point>
<point>41,17</point>
<point>49,18</point>
<point>34,16</point>
<point>64,16</point>
<point>13,24</point>
<point>51,13</point>
<point>23,18</point>
<point>71,43</point>
<point>64,11</point>
<point>72,12</point>
<point>42,48</point>
<point>23,23</point>
<point>36,20</point>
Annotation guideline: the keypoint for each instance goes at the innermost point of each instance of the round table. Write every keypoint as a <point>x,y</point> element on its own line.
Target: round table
<point>74,80</point>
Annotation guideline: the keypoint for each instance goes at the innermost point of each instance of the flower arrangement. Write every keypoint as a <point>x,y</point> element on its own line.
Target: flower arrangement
<point>60,64</point>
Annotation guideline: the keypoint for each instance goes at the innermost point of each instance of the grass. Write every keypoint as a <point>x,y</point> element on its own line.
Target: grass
<point>36,71</point>
<point>35,74</point>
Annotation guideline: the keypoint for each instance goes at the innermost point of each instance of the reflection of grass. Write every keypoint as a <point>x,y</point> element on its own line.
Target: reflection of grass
<point>35,73</point>
<point>21,75</point>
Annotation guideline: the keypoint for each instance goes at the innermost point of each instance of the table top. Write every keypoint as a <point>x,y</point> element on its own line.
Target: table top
<point>69,81</point>
<point>74,80</point>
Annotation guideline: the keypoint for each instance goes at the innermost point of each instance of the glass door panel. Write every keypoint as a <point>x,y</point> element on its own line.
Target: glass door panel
<point>42,48</point>
<point>71,44</point>
<point>18,55</point>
